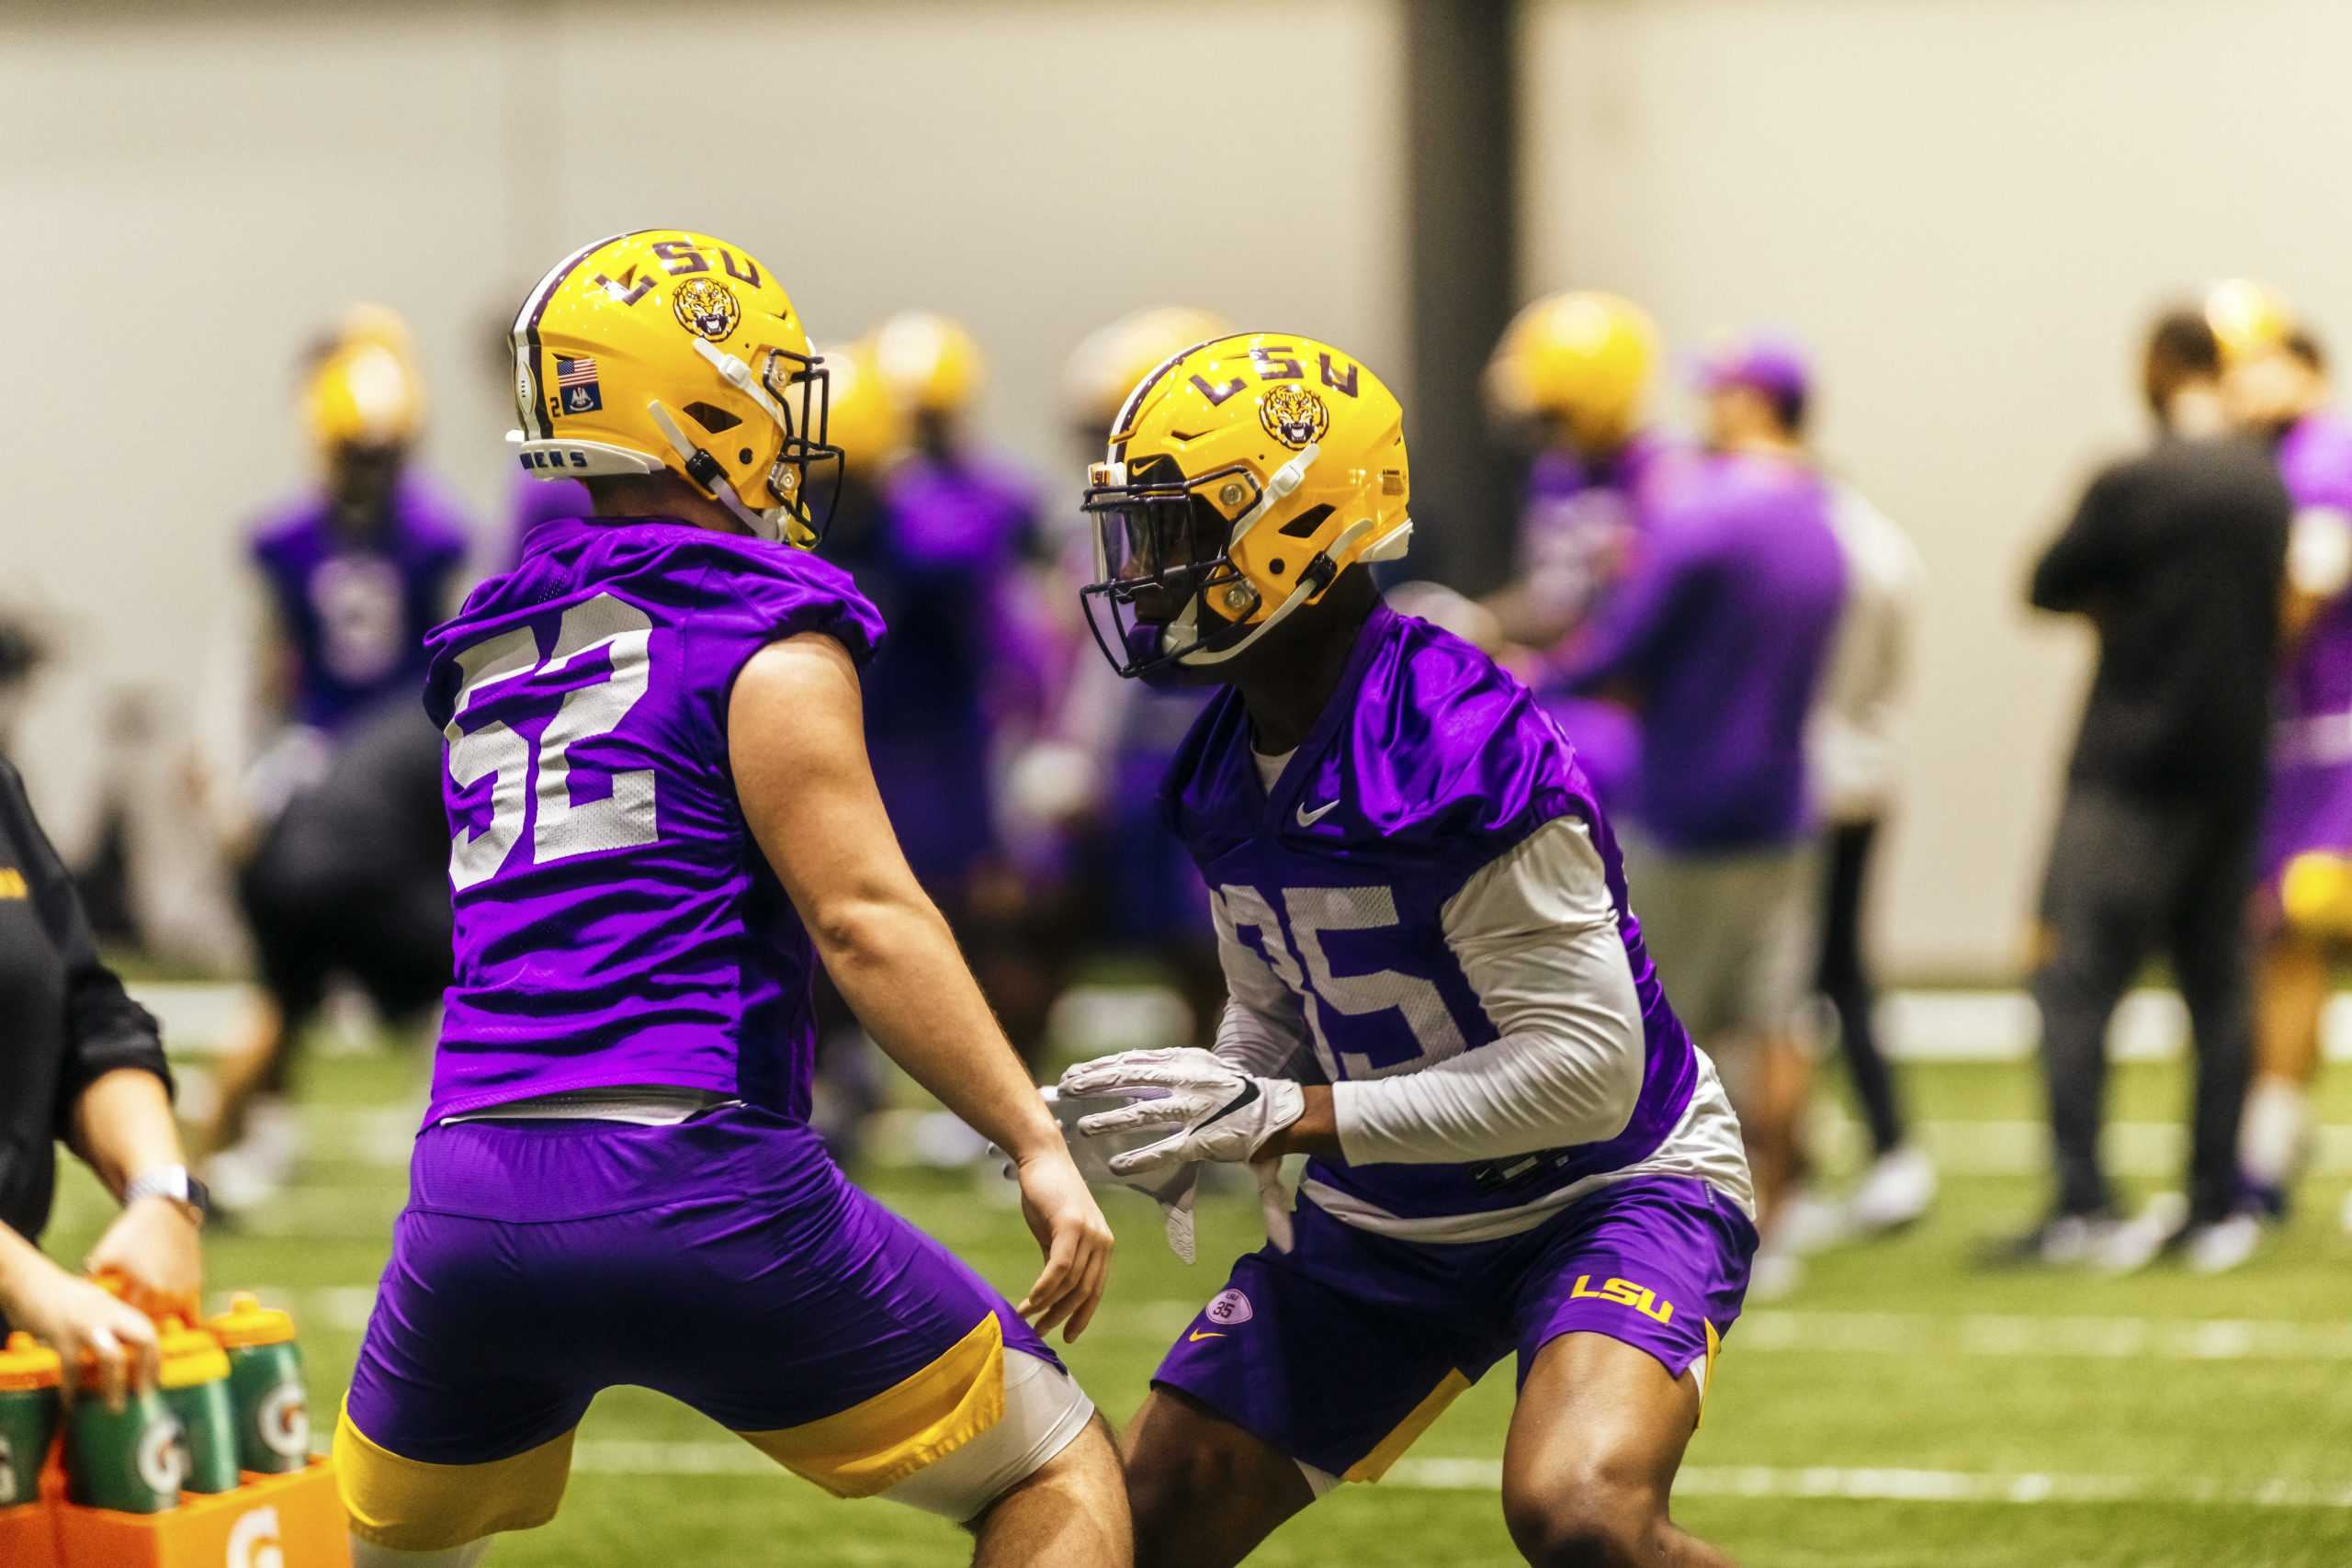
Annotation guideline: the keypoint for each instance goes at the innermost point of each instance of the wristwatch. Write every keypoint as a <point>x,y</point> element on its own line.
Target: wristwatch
<point>174,1181</point>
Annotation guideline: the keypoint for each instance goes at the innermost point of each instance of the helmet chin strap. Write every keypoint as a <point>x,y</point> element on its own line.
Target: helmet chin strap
<point>1285,479</point>
<point>704,470</point>
<point>1305,589</point>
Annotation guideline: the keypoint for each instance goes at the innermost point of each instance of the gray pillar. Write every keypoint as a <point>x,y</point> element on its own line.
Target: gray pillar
<point>1461,225</point>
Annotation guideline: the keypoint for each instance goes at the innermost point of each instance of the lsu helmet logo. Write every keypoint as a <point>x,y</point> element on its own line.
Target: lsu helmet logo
<point>707,308</point>
<point>1294,416</point>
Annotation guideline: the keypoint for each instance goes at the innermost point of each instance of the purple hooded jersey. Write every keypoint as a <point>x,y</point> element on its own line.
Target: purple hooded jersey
<point>2315,461</point>
<point>1428,763</point>
<point>356,610</point>
<point>615,922</point>
<point>1722,627</point>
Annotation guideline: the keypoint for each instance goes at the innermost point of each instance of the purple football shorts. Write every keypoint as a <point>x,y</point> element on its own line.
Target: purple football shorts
<point>725,1261</point>
<point>1341,1352</point>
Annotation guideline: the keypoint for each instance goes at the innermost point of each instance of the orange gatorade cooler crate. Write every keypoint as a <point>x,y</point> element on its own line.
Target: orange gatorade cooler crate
<point>270,1521</point>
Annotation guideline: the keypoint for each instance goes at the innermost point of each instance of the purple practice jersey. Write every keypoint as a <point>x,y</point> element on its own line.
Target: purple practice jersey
<point>615,922</point>
<point>356,610</point>
<point>1428,763</point>
<point>1580,522</point>
<point>2315,461</point>
<point>1722,627</point>
<point>941,563</point>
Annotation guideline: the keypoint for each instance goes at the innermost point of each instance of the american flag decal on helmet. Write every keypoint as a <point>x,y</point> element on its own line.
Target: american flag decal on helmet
<point>575,385</point>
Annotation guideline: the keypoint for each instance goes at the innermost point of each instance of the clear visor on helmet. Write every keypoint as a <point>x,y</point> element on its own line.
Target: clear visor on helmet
<point>1161,549</point>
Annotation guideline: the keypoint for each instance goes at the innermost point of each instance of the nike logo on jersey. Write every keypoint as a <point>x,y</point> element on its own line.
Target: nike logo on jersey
<point>1198,1334</point>
<point>1249,1092</point>
<point>1308,818</point>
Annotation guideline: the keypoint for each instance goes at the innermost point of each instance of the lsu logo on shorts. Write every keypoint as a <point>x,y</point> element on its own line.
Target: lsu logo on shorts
<point>1625,1292</point>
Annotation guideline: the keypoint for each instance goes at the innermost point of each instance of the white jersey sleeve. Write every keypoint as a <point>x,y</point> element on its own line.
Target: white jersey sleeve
<point>1535,933</point>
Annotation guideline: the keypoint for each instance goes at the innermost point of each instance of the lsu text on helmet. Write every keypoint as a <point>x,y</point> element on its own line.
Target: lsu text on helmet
<point>669,350</point>
<point>1583,360</point>
<point>1108,362</point>
<point>1243,476</point>
<point>930,363</point>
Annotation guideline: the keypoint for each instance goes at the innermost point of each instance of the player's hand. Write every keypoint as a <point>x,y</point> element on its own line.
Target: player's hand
<point>1209,1110</point>
<point>153,1246</point>
<point>80,1319</point>
<point>1075,1238</point>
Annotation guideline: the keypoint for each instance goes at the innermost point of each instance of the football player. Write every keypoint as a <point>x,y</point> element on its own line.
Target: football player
<point>1571,376</point>
<point>1758,393</point>
<point>2276,382</point>
<point>353,579</point>
<point>1111,740</point>
<point>662,819</point>
<point>1437,993</point>
<point>945,560</point>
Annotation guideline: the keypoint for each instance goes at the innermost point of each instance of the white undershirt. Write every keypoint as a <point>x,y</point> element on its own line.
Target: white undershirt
<point>1270,768</point>
<point>1535,933</point>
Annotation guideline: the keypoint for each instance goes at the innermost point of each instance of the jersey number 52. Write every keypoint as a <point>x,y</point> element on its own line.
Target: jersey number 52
<point>519,770</point>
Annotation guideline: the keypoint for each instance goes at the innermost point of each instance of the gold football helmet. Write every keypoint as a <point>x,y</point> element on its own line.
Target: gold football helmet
<point>1108,362</point>
<point>1243,476</point>
<point>1582,359</point>
<point>931,363</point>
<point>666,349</point>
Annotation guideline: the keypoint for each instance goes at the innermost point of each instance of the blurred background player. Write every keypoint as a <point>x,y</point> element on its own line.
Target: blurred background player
<point>354,579</point>
<point>868,423</point>
<point>1716,637</point>
<point>1108,744</point>
<point>950,558</point>
<point>2175,558</point>
<point>1758,395</point>
<point>2275,384</point>
<point>1571,378</point>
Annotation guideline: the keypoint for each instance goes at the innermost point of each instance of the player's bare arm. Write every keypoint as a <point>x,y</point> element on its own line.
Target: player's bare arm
<point>796,740</point>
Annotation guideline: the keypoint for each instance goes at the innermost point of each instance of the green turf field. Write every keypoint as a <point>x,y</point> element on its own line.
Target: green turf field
<point>1901,1411</point>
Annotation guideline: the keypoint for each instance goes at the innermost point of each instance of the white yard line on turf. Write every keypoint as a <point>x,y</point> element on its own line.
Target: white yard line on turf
<point>1919,1024</point>
<point>612,1457</point>
<point>2012,1336</point>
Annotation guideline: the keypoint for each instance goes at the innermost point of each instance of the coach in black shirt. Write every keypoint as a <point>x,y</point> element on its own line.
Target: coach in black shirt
<point>80,1061</point>
<point>2176,556</point>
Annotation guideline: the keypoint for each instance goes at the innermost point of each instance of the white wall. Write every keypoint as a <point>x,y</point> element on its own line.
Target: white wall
<point>1968,206</point>
<point>190,196</point>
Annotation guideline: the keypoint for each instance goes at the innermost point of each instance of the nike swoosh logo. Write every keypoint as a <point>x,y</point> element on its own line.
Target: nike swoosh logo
<point>1249,1092</point>
<point>1196,1335</point>
<point>1308,818</point>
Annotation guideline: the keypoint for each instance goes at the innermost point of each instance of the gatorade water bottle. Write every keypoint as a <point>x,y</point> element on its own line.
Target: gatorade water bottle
<point>29,1373</point>
<point>195,1380</point>
<point>133,1460</point>
<point>265,1385</point>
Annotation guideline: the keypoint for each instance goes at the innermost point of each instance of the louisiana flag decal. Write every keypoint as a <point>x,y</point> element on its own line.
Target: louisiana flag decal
<point>576,391</point>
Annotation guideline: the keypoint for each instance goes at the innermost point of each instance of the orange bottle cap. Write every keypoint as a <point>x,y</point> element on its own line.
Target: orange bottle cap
<point>247,1323</point>
<point>189,1356</point>
<point>26,1364</point>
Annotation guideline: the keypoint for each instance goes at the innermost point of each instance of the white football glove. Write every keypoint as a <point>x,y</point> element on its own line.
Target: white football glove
<point>1171,1189</point>
<point>1199,1108</point>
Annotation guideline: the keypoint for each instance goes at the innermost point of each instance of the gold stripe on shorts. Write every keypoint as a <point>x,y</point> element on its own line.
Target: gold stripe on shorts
<point>876,1444</point>
<point>1374,1465</point>
<point>413,1506</point>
